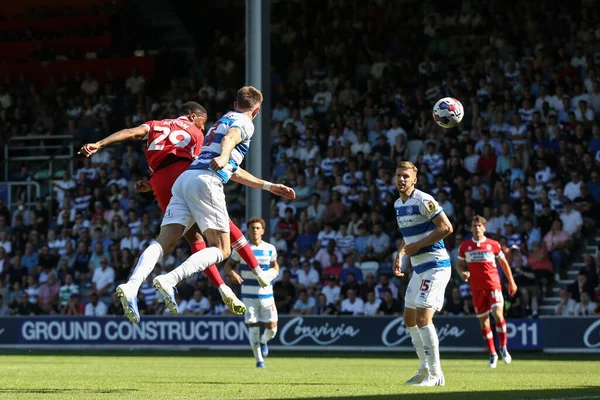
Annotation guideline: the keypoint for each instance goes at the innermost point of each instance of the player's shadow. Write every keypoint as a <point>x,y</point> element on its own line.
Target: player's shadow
<point>447,393</point>
<point>64,390</point>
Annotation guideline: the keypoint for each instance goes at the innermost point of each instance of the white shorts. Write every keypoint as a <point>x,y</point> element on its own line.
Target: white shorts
<point>198,197</point>
<point>426,290</point>
<point>260,310</point>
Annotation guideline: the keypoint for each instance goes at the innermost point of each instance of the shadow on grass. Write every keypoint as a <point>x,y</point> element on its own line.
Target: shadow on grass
<point>446,393</point>
<point>292,354</point>
<point>58,391</point>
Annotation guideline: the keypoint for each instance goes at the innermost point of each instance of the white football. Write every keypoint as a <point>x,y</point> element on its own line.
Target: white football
<point>448,112</point>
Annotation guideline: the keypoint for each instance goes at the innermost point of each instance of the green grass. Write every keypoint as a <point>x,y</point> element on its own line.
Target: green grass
<point>290,376</point>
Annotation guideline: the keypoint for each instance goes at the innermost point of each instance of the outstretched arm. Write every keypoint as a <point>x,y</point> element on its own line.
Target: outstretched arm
<point>124,134</point>
<point>246,178</point>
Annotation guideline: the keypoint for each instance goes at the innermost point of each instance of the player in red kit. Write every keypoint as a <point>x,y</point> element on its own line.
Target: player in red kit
<point>172,144</point>
<point>480,254</point>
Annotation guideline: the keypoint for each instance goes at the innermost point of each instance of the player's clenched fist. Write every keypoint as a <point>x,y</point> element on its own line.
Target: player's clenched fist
<point>88,149</point>
<point>143,186</point>
<point>218,163</point>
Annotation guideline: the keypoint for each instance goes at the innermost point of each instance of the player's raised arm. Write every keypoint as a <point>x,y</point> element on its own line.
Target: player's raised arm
<point>443,228</point>
<point>512,286</point>
<point>246,178</point>
<point>230,140</point>
<point>136,133</point>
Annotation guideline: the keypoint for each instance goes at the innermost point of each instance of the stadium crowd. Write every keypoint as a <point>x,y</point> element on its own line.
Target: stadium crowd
<point>353,87</point>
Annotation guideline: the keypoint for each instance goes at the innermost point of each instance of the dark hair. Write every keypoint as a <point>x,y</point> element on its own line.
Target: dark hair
<point>255,220</point>
<point>191,107</point>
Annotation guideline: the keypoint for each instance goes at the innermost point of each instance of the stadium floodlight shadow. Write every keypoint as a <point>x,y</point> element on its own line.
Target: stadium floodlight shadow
<point>447,393</point>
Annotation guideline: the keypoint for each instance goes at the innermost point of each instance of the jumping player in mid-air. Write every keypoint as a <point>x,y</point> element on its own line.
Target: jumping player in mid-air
<point>172,144</point>
<point>423,225</point>
<point>260,303</point>
<point>479,254</point>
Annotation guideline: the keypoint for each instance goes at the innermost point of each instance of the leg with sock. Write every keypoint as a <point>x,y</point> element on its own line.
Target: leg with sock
<point>417,342</point>
<point>212,273</point>
<point>146,263</point>
<point>268,334</point>
<point>254,333</point>
<point>241,245</point>
<point>501,331</point>
<point>431,348</point>
<point>195,263</point>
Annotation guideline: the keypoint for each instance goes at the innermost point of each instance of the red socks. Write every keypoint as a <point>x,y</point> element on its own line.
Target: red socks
<point>501,331</point>
<point>488,338</point>
<point>211,272</point>
<point>240,244</point>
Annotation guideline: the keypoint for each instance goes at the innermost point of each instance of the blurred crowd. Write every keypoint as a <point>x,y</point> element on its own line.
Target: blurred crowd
<point>353,87</point>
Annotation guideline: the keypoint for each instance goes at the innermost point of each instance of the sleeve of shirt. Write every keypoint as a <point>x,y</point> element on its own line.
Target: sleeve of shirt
<point>273,254</point>
<point>498,251</point>
<point>149,125</point>
<point>245,126</point>
<point>430,208</point>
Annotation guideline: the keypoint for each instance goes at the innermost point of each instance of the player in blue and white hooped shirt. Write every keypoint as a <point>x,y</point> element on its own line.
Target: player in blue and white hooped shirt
<point>198,197</point>
<point>259,301</point>
<point>423,225</point>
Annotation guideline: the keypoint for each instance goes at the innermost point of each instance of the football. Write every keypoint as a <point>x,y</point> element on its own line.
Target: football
<point>448,112</point>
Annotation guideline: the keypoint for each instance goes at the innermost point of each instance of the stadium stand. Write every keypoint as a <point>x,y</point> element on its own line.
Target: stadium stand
<point>353,88</point>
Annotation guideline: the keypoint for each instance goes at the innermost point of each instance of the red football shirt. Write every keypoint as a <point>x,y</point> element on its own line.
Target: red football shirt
<point>172,137</point>
<point>481,261</point>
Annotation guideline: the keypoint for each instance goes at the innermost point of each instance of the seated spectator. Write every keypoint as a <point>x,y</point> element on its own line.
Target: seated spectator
<point>351,284</point>
<point>24,306</point>
<point>585,305</point>
<point>308,277</point>
<point>103,279</point>
<point>95,308</point>
<point>32,289</point>
<point>197,305</point>
<point>580,285</point>
<point>332,290</point>
<point>329,255</point>
<point>344,240</point>
<point>566,305</point>
<point>367,286</point>
<point>572,220</point>
<point>75,306</point>
<point>48,295</point>
<point>455,304</point>
<point>351,267</point>
<point>389,305</point>
<point>378,245</point>
<point>385,284</point>
<point>525,279</point>
<point>352,305</point>
<point>323,307</point>
<point>284,293</point>
<point>325,236</point>
<point>305,305</point>
<point>540,263</point>
<point>316,210</point>
<point>372,304</point>
<point>115,308</point>
<point>557,243</point>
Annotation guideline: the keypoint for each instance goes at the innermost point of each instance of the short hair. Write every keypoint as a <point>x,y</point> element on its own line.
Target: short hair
<point>255,220</point>
<point>480,219</point>
<point>248,97</point>
<point>407,165</point>
<point>191,107</point>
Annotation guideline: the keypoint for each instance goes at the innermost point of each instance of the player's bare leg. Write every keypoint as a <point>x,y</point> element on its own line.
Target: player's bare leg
<point>431,347</point>
<point>488,338</point>
<point>197,243</point>
<point>410,320</point>
<point>164,243</point>
<point>218,251</point>
<point>498,313</point>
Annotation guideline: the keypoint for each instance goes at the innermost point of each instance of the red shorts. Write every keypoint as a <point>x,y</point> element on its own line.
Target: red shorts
<point>162,181</point>
<point>484,300</point>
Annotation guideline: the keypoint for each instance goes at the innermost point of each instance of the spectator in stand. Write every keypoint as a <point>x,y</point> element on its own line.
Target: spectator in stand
<point>103,279</point>
<point>389,305</point>
<point>305,304</point>
<point>557,242</point>
<point>585,305</point>
<point>332,290</point>
<point>95,308</point>
<point>284,293</point>
<point>352,305</point>
<point>48,296</point>
<point>324,255</point>
<point>197,305</point>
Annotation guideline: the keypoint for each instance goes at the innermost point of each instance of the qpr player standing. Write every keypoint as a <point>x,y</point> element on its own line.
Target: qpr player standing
<point>480,254</point>
<point>423,225</point>
<point>260,303</point>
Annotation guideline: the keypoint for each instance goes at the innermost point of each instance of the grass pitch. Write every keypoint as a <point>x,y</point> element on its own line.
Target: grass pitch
<point>210,375</point>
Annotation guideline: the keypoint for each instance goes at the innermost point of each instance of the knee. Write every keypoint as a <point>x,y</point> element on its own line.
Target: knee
<point>422,319</point>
